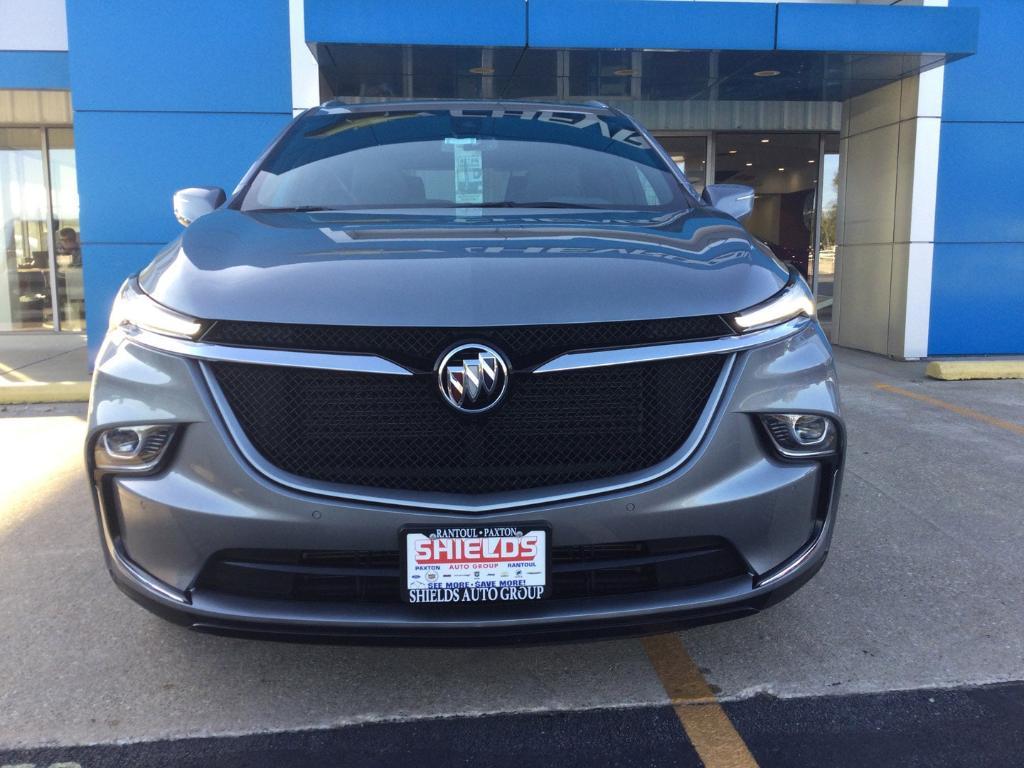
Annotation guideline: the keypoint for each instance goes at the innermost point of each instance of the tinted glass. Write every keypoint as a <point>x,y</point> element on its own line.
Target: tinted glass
<point>441,158</point>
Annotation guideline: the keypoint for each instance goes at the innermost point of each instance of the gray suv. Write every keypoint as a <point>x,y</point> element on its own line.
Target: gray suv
<point>463,371</point>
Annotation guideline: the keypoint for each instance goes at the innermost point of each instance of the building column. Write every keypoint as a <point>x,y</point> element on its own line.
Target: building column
<point>305,71</point>
<point>889,147</point>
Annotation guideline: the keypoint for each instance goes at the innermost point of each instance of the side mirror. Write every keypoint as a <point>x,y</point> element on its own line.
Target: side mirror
<point>737,200</point>
<point>192,202</point>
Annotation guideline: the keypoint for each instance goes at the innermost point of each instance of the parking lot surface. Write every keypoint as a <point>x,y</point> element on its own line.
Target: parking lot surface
<point>921,593</point>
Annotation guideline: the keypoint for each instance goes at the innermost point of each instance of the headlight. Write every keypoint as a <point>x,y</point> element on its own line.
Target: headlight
<point>794,300</point>
<point>134,309</point>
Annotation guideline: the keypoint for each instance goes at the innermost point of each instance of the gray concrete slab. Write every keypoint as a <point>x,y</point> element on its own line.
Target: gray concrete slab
<point>43,357</point>
<point>923,589</point>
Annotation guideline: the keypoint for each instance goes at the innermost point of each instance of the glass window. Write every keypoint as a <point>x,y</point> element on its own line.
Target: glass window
<point>826,267</point>
<point>690,153</point>
<point>67,232</point>
<point>536,73</point>
<point>363,70</point>
<point>600,73</point>
<point>441,158</point>
<point>782,168</point>
<point>674,74</point>
<point>25,280</point>
<point>445,72</point>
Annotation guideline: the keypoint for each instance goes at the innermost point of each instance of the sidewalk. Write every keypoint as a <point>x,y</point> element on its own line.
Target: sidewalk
<point>43,368</point>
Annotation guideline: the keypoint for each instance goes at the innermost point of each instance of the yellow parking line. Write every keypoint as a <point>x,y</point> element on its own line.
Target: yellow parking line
<point>708,727</point>
<point>969,413</point>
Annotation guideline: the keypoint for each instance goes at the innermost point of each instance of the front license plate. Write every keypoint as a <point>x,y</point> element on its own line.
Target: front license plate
<point>476,564</point>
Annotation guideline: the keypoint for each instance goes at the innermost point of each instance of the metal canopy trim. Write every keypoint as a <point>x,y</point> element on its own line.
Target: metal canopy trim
<point>648,24</point>
<point>878,29</point>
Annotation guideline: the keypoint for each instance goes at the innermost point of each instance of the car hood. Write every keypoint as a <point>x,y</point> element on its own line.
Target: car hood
<point>446,269</point>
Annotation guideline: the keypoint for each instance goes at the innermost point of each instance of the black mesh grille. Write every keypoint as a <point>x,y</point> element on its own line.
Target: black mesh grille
<point>396,432</point>
<point>419,348</point>
<point>595,570</point>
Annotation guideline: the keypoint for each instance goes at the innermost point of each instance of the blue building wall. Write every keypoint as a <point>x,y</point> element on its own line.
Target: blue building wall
<point>46,70</point>
<point>165,98</point>
<point>978,269</point>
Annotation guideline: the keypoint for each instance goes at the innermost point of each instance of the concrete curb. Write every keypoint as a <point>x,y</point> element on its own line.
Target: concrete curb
<point>963,370</point>
<point>21,393</point>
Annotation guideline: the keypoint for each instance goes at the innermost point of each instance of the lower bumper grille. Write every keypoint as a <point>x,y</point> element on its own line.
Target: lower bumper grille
<point>395,432</point>
<point>599,570</point>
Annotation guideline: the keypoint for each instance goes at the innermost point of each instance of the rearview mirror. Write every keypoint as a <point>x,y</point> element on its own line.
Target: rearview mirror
<point>737,200</point>
<point>192,202</point>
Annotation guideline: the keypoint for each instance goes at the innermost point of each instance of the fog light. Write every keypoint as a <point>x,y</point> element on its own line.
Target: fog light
<point>136,448</point>
<point>801,435</point>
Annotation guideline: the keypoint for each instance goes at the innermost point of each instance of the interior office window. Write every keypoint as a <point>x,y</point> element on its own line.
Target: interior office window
<point>67,232</point>
<point>25,279</point>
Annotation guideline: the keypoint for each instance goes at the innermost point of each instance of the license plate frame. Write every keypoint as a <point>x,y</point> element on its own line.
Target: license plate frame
<point>488,594</point>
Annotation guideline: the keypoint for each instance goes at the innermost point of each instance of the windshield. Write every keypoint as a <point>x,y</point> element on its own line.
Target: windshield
<point>496,158</point>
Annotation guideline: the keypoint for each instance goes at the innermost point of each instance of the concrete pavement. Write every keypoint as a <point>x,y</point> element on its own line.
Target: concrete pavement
<point>922,590</point>
<point>43,368</point>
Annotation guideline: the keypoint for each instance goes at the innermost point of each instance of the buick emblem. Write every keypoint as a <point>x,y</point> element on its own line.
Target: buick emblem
<point>473,378</point>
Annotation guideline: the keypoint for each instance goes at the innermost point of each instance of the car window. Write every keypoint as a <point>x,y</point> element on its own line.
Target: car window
<point>456,158</point>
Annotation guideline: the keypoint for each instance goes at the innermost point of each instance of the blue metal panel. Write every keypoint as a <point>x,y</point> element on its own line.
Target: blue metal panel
<point>978,269</point>
<point>129,165</point>
<point>979,198</point>
<point>987,86</point>
<point>453,22</point>
<point>977,301</point>
<point>651,24</point>
<point>224,56</point>
<point>45,70</point>
<point>877,28</point>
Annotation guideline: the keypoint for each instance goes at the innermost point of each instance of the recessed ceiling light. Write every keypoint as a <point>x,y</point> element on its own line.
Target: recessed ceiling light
<point>765,141</point>
<point>732,151</point>
<point>810,161</point>
<point>767,73</point>
<point>782,169</point>
<point>482,70</point>
<point>749,165</point>
<point>625,72</point>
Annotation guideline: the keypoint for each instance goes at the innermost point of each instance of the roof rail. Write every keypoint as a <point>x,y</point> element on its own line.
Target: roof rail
<point>596,103</point>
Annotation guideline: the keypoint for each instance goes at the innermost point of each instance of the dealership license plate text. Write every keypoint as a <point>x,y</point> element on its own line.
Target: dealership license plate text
<point>470,565</point>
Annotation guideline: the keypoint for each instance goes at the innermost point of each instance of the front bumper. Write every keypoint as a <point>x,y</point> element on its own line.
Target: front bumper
<point>159,531</point>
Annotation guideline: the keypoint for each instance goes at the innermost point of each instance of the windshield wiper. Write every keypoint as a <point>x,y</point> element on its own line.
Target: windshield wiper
<point>290,209</point>
<point>537,204</point>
